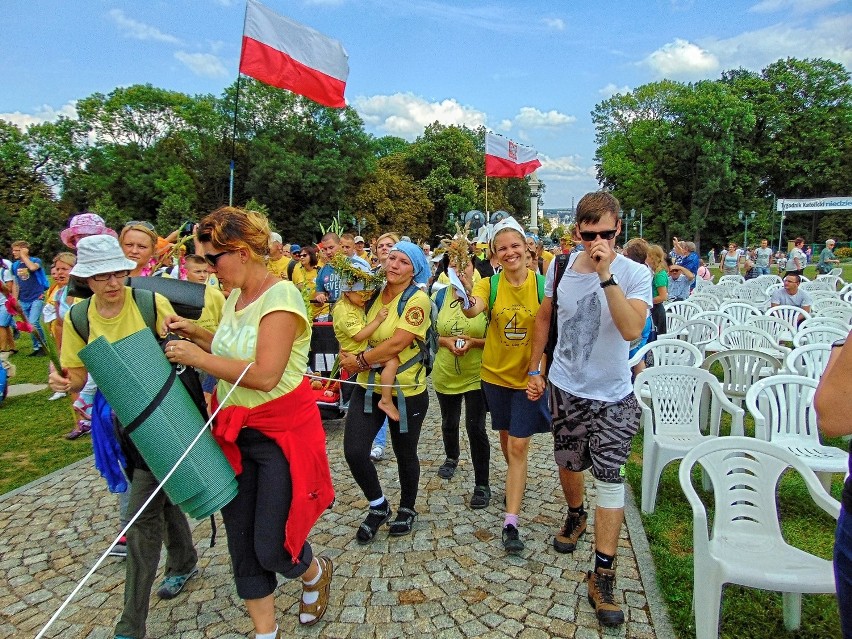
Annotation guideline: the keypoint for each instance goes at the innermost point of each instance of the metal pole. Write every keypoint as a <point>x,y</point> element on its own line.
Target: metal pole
<point>642,224</point>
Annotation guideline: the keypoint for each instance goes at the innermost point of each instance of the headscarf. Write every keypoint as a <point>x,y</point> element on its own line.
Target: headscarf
<point>418,260</point>
<point>502,225</point>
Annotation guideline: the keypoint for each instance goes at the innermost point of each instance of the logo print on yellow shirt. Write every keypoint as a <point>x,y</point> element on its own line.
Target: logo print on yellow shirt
<point>512,331</point>
<point>414,316</point>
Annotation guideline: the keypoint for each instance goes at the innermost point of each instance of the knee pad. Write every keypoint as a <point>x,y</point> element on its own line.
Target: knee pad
<point>609,495</point>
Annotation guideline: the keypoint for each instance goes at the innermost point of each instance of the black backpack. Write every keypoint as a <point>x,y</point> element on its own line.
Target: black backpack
<point>552,335</point>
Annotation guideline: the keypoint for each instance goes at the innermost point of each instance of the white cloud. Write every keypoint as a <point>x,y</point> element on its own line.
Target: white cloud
<point>565,168</point>
<point>682,59</point>
<point>139,30</point>
<point>203,64</point>
<point>505,125</point>
<point>530,117</point>
<point>44,113</point>
<point>611,89</point>
<point>406,115</point>
<point>558,24</point>
<point>796,6</point>
<point>826,38</point>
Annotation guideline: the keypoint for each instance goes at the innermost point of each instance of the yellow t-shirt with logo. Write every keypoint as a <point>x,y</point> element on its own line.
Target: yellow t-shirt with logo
<point>304,279</point>
<point>236,338</point>
<point>347,320</point>
<point>453,375</point>
<point>279,267</point>
<point>214,302</point>
<point>415,319</point>
<point>128,321</point>
<point>508,342</point>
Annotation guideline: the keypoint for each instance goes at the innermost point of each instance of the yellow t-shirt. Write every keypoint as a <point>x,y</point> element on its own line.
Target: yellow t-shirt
<point>348,320</point>
<point>279,267</point>
<point>415,319</point>
<point>509,340</point>
<point>127,322</point>
<point>307,279</point>
<point>453,375</point>
<point>547,258</point>
<point>443,278</point>
<point>214,302</point>
<point>236,338</point>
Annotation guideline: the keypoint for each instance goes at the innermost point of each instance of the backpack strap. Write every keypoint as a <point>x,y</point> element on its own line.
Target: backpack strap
<point>539,282</point>
<point>492,295</point>
<point>79,315</point>
<point>290,268</point>
<point>147,306</point>
<point>440,297</point>
<point>550,347</point>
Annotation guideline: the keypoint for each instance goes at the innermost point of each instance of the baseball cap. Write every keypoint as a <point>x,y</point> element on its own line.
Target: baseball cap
<point>358,238</point>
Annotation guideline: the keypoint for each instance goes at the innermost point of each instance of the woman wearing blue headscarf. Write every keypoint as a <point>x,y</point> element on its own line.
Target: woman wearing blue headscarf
<point>408,319</point>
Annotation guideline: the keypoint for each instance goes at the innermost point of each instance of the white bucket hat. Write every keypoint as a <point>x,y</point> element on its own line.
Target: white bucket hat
<point>100,254</point>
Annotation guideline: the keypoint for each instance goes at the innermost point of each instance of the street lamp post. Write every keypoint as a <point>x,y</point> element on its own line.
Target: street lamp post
<point>641,221</point>
<point>359,222</point>
<point>746,218</point>
<point>631,217</point>
<point>535,186</point>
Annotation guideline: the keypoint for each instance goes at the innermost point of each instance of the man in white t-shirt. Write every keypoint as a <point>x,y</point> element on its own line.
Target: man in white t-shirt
<point>762,258</point>
<point>601,300</point>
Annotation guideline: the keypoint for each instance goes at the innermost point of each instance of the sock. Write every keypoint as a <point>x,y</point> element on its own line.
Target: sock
<point>378,502</point>
<point>267,635</point>
<point>510,519</point>
<point>603,561</point>
<point>310,597</point>
<point>577,511</point>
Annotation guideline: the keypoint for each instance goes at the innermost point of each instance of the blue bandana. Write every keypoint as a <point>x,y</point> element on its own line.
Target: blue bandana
<point>418,260</point>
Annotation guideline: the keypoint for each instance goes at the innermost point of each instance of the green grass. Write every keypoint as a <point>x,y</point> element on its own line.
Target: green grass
<point>32,429</point>
<point>745,612</point>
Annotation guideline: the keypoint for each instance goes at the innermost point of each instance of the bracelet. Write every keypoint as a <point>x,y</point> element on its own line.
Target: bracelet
<point>534,373</point>
<point>361,361</point>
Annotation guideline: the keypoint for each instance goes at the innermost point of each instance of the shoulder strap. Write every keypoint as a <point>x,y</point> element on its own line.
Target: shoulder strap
<point>79,314</point>
<point>492,296</point>
<point>403,299</point>
<point>559,271</point>
<point>539,282</point>
<point>290,268</point>
<point>145,302</point>
<point>440,297</point>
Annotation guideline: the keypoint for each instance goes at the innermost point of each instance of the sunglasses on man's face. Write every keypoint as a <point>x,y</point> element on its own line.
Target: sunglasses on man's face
<point>591,236</point>
<point>212,259</point>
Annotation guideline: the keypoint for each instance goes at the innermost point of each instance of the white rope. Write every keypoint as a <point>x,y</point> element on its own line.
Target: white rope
<point>144,506</point>
<point>352,381</point>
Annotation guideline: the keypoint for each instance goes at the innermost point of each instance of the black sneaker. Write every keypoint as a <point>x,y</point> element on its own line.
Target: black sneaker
<point>566,539</point>
<point>481,497</point>
<point>37,353</point>
<point>511,541</point>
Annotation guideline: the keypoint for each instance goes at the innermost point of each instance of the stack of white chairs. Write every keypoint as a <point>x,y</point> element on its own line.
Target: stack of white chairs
<point>818,334</point>
<point>753,339</point>
<point>739,311</point>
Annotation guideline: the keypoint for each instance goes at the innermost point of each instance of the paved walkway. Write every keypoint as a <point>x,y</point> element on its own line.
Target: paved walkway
<point>450,578</point>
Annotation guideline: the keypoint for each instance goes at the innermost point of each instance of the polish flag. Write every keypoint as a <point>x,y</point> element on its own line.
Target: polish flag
<point>289,55</point>
<point>504,158</point>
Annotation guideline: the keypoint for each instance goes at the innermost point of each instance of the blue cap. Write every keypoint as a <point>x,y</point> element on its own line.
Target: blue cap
<point>295,248</point>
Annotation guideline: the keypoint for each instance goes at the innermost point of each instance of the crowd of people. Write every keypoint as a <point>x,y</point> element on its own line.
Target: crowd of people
<point>538,339</point>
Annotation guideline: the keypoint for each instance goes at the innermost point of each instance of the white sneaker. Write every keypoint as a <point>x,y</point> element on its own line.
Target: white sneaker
<point>377,454</point>
<point>56,396</point>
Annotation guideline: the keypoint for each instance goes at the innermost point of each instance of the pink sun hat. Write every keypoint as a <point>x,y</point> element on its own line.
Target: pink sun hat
<point>83,225</point>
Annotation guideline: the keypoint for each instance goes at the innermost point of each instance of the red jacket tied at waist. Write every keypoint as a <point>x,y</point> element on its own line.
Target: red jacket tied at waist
<point>293,422</point>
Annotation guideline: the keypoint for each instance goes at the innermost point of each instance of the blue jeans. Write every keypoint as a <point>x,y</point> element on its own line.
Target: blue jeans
<point>382,436</point>
<point>33,312</point>
<point>761,270</point>
<point>843,570</point>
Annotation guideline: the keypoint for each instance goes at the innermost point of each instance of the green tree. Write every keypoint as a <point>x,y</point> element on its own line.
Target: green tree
<point>392,200</point>
<point>39,223</point>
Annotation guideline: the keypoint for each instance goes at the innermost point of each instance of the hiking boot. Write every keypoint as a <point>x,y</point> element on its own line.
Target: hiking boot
<point>172,586</point>
<point>601,584</point>
<point>566,539</point>
<point>511,540</point>
<point>481,497</point>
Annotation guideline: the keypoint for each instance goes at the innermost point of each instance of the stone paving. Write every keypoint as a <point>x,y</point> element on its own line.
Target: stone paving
<point>450,578</point>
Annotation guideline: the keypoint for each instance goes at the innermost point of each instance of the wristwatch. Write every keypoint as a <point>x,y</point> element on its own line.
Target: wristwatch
<point>610,282</point>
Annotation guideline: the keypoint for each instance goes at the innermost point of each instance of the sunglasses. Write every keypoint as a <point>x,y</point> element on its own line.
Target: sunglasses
<point>105,277</point>
<point>212,259</point>
<point>141,223</point>
<point>591,236</point>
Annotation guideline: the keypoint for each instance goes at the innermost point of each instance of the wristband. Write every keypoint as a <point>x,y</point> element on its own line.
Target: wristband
<point>361,361</point>
<point>534,373</point>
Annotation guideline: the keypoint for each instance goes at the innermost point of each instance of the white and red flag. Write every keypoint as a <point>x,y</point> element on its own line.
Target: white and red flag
<point>504,158</point>
<point>289,55</point>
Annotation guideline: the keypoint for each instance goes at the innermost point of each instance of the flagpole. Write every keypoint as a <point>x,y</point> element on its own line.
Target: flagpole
<point>486,197</point>
<point>236,111</point>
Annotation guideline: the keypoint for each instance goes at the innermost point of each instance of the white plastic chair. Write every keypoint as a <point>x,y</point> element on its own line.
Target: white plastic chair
<point>668,352</point>
<point>836,312</point>
<point>741,369</point>
<point>706,302</point>
<point>830,281</point>
<point>751,338</point>
<point>745,545</point>
<point>736,279</point>
<point>816,285</point>
<point>672,401</point>
<point>809,360</point>
<point>699,333</point>
<point>750,294</point>
<point>685,308</point>
<point>673,324</point>
<point>783,411</point>
<point>740,311</point>
<point>792,314</point>
<point>824,320</point>
<point>820,303</point>
<point>838,273</point>
<point>779,328</point>
<point>818,335</point>
<point>772,287</point>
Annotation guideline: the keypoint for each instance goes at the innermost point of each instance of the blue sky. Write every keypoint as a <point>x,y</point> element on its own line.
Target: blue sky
<point>531,70</point>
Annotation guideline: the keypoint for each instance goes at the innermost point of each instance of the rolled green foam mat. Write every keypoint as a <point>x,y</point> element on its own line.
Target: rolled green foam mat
<point>131,373</point>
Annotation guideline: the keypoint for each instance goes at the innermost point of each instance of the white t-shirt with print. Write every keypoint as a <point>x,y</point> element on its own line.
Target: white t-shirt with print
<point>590,359</point>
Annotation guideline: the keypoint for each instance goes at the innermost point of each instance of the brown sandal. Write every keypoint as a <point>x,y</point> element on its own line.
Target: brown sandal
<point>323,587</point>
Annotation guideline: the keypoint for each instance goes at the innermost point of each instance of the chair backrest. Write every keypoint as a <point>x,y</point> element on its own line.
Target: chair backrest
<point>706,302</point>
<point>748,338</point>
<point>816,285</point>
<point>818,335</point>
<point>831,281</point>
<point>837,272</point>
<point>736,279</point>
<point>821,303</point>
<point>792,314</point>
<point>771,288</point>
<point>836,312</point>
<point>720,319</point>
<point>782,408</point>
<point>741,369</point>
<point>750,293</point>
<point>821,294</point>
<point>675,395</point>
<point>774,325</point>
<point>809,360</point>
<point>744,472</point>
<point>765,280</point>
<point>825,320</point>
<point>685,308</point>
<point>698,332</point>
<point>740,311</point>
<point>668,352</point>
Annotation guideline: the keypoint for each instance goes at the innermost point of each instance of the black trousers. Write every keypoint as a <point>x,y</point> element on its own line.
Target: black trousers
<point>255,519</point>
<point>360,431</point>
<point>474,423</point>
